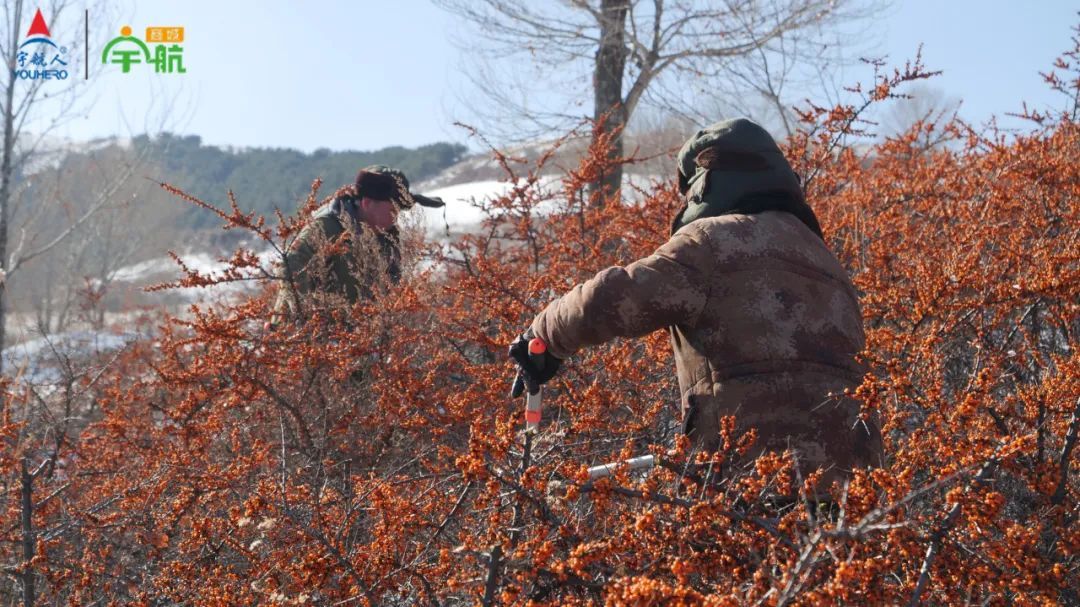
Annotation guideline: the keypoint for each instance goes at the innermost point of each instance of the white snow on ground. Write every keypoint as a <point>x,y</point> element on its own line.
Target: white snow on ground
<point>145,269</point>
<point>209,265</point>
<point>165,269</point>
<point>205,263</point>
<point>36,359</point>
<point>460,214</point>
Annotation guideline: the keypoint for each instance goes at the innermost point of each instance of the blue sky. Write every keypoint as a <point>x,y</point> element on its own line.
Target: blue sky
<point>364,74</point>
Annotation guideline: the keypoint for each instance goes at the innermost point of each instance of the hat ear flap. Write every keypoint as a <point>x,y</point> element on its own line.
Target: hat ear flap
<point>684,182</point>
<point>676,222</point>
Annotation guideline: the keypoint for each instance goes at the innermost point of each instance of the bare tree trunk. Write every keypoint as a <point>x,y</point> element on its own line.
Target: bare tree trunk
<point>629,44</point>
<point>7,166</point>
<point>607,87</point>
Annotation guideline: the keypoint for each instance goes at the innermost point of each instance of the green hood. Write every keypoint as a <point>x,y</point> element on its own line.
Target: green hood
<point>743,172</point>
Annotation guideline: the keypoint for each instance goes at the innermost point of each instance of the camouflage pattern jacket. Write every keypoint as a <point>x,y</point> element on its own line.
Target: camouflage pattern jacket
<point>764,322</point>
<point>337,255</point>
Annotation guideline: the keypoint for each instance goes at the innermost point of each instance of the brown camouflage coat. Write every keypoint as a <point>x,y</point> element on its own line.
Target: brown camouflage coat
<point>337,256</point>
<point>764,322</point>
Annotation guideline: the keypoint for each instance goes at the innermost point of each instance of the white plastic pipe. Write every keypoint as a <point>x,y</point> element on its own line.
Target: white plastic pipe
<point>643,462</point>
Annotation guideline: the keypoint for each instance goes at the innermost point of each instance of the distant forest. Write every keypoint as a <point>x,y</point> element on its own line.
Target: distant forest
<point>266,178</point>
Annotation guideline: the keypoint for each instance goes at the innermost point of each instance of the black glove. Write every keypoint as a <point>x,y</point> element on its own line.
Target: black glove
<point>534,370</point>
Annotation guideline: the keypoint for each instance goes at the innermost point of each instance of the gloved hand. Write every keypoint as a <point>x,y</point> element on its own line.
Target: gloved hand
<point>530,374</point>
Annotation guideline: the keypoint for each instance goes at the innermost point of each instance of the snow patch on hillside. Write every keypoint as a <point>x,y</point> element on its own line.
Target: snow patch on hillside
<point>37,361</point>
<point>463,211</point>
<point>464,202</point>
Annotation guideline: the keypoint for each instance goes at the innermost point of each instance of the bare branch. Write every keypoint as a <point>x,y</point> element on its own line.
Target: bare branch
<point>18,259</point>
<point>943,529</point>
<point>1066,450</point>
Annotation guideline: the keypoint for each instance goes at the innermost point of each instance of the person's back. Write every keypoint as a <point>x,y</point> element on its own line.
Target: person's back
<point>765,322</point>
<point>777,334</point>
<point>765,325</point>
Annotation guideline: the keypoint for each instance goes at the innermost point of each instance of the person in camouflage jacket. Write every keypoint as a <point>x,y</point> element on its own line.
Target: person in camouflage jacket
<point>351,245</point>
<point>764,321</point>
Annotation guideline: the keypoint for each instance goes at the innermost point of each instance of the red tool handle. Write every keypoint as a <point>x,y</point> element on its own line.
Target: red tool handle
<point>537,348</point>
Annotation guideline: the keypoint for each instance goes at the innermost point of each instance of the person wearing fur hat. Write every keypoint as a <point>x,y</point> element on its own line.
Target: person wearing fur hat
<point>764,321</point>
<point>351,246</point>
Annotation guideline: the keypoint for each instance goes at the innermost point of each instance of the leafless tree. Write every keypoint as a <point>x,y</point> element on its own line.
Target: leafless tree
<point>73,283</point>
<point>37,105</point>
<point>922,103</point>
<point>39,220</point>
<point>542,59</point>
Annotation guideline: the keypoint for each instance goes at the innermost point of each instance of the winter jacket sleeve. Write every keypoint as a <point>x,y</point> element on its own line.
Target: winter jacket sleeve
<point>669,287</point>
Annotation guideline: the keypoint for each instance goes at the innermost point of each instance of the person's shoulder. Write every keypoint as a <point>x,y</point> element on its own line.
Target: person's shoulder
<point>721,227</point>
<point>319,230</point>
<point>325,225</point>
<point>695,231</point>
<point>740,226</point>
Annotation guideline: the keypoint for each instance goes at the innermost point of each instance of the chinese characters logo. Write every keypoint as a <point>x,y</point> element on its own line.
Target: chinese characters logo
<point>167,56</point>
<point>38,58</point>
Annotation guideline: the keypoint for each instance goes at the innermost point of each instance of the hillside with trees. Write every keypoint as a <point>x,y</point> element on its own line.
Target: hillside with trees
<point>263,179</point>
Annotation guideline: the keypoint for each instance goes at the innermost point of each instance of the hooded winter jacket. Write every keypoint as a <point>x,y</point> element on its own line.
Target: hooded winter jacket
<point>764,321</point>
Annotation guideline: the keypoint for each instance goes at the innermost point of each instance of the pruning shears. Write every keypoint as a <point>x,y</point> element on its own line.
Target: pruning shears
<point>533,400</point>
<point>534,408</point>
